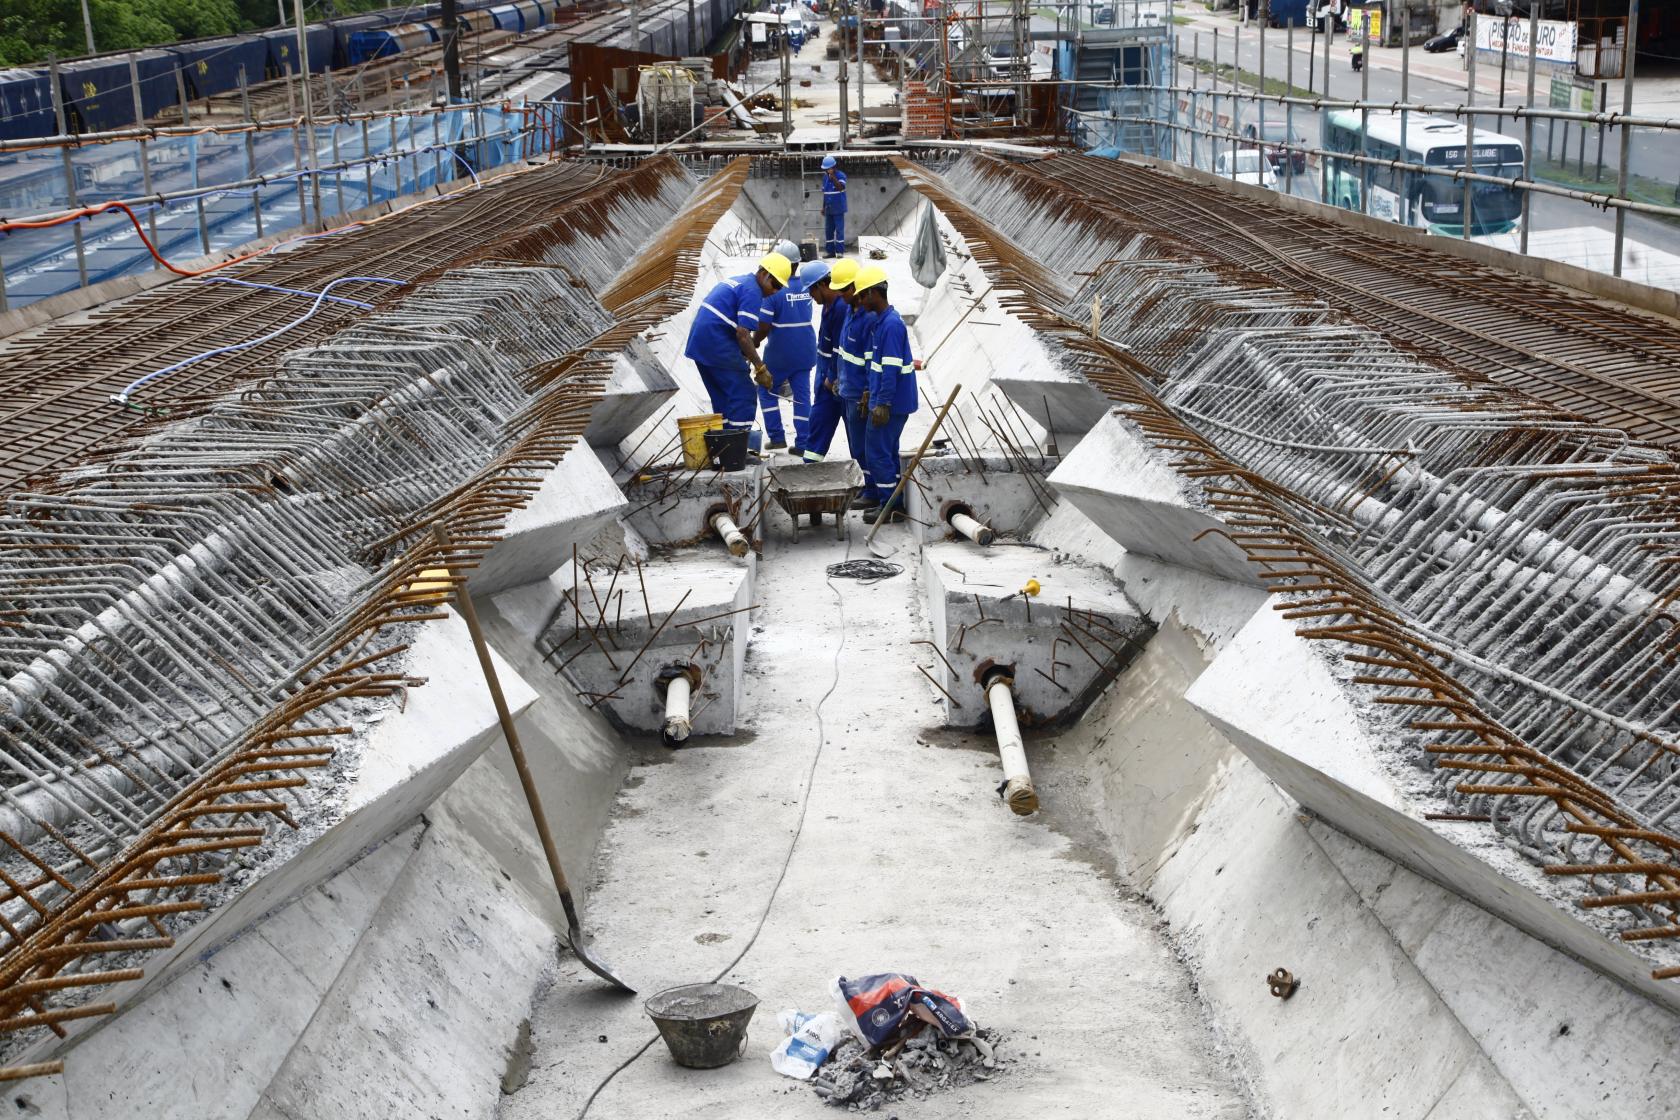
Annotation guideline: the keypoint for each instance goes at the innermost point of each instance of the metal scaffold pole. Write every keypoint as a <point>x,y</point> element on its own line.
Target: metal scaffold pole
<point>1627,132</point>
<point>308,112</point>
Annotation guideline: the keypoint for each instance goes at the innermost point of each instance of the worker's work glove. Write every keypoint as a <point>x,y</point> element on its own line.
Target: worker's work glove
<point>917,364</point>
<point>761,375</point>
<point>880,415</point>
<point>832,387</point>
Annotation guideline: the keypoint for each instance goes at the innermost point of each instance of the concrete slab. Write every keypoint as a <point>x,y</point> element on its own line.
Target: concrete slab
<point>1125,486</point>
<point>994,489</point>
<point>402,763</point>
<point>640,385</point>
<point>672,509</point>
<point>695,615</point>
<point>575,500</point>
<point>1274,696</point>
<point>979,620</point>
<point>694,863</point>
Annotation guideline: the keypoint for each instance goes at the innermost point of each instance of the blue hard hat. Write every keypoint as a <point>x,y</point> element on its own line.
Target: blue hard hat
<point>828,162</point>
<point>812,272</point>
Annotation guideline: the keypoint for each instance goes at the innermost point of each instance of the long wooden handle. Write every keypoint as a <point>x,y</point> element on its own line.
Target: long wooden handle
<point>905,477</point>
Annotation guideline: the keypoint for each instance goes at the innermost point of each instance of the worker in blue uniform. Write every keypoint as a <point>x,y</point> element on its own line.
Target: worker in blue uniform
<point>720,342</point>
<point>892,396</point>
<point>788,330</point>
<point>834,208</point>
<point>827,409</point>
<point>851,376</point>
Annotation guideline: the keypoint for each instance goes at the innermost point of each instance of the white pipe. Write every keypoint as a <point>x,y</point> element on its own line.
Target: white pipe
<point>677,725</point>
<point>1017,782</point>
<point>976,531</point>
<point>725,527</point>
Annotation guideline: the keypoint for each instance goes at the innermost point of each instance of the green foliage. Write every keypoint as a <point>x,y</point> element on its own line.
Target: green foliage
<point>30,30</point>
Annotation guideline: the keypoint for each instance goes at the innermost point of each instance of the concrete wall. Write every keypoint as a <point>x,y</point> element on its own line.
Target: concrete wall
<point>1414,1002</point>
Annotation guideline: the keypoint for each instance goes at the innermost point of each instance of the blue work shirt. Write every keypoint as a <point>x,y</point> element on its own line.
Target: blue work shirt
<point>828,337</point>
<point>791,347</point>
<point>735,302</point>
<point>892,377</point>
<point>850,357</point>
<point>834,191</point>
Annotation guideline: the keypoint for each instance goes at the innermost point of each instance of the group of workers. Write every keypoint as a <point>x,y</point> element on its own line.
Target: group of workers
<point>832,343</point>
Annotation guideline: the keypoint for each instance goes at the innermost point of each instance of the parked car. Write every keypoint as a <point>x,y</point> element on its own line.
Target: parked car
<point>1104,16</point>
<point>1279,137</point>
<point>1445,41</point>
<point>1250,167</point>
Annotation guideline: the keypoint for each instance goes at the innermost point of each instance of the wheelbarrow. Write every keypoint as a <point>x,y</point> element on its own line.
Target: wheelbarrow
<point>813,489</point>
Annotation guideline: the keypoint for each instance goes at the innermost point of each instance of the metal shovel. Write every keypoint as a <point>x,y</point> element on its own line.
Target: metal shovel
<point>579,942</point>
<point>881,552</point>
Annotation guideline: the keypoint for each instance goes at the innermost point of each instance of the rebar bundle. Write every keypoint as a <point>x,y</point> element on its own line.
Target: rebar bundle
<point>1498,572</point>
<point>196,617</point>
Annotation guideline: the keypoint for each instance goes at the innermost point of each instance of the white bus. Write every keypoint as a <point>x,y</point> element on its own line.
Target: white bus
<point>1434,202</point>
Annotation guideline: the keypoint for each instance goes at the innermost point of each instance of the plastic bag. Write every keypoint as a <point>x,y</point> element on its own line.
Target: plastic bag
<point>808,1042</point>
<point>927,251</point>
<point>876,1006</point>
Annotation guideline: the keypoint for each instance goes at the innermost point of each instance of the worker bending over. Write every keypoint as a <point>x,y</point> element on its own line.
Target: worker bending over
<point>891,396</point>
<point>790,351</point>
<point>834,208</point>
<point>827,409</point>
<point>720,342</point>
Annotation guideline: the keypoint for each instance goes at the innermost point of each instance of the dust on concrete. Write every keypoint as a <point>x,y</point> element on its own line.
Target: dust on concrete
<point>859,1080</point>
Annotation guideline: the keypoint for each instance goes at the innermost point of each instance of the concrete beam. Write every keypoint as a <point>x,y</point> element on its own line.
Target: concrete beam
<point>639,386</point>
<point>577,498</point>
<point>1124,485</point>
<point>1273,694</point>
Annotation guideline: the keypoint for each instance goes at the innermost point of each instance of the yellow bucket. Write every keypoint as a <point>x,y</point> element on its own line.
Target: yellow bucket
<point>694,429</point>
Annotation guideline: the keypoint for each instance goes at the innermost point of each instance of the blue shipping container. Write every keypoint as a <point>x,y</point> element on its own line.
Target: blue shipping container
<point>98,95</point>
<point>26,105</point>
<point>283,48</point>
<point>212,65</point>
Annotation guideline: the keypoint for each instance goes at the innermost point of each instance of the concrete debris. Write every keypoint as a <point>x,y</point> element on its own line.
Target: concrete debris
<point>860,1080</point>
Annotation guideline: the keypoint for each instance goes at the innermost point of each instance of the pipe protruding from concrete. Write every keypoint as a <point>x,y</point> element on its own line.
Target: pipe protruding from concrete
<point>975,530</point>
<point>679,687</point>
<point>724,526</point>
<point>1017,788</point>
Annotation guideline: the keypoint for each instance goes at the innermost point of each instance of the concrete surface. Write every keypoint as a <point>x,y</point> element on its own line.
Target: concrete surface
<point>637,389</point>
<point>1275,697</point>
<point>979,618</point>
<point>906,861</point>
<point>576,498</point>
<point>1124,485</point>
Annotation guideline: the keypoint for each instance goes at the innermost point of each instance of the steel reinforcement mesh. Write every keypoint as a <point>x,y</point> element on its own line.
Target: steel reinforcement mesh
<point>1494,573</point>
<point>199,617</point>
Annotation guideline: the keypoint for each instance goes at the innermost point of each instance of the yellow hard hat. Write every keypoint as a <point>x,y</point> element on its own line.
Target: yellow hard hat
<point>868,276</point>
<point>778,266</point>
<point>841,275</point>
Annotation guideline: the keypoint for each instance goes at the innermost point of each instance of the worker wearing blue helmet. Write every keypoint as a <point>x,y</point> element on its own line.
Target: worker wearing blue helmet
<point>787,329</point>
<point>834,208</point>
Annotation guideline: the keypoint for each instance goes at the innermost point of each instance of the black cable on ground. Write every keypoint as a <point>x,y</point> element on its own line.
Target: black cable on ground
<point>804,807</point>
<point>868,571</point>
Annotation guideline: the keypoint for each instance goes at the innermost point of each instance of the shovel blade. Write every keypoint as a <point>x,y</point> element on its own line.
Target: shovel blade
<point>580,946</point>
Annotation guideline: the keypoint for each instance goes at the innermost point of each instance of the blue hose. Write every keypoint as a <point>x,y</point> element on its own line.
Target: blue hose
<point>321,297</point>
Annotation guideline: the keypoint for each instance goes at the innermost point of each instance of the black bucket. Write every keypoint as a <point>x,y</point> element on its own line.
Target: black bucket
<point>703,1025</point>
<point>728,449</point>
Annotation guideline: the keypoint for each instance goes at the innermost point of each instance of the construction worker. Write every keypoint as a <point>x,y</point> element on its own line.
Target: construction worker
<point>891,394</point>
<point>851,376</point>
<point>827,409</point>
<point>790,352</point>
<point>720,342</point>
<point>834,208</point>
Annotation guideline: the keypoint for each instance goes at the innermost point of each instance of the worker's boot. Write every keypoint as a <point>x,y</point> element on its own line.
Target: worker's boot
<point>889,514</point>
<point>865,503</point>
<point>776,445</point>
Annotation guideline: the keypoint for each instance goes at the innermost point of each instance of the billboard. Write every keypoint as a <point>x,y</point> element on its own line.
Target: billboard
<point>1555,40</point>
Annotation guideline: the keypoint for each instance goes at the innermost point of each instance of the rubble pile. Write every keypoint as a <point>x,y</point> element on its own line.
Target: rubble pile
<point>856,1078</point>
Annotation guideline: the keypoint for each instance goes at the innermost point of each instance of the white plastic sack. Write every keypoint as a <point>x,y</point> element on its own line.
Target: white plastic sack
<point>809,1039</point>
<point>927,251</point>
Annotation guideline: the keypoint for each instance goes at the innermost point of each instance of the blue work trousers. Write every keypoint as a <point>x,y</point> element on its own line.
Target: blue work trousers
<point>834,234</point>
<point>732,396</point>
<point>772,406</point>
<point>857,423</point>
<point>826,411</point>
<point>881,469</point>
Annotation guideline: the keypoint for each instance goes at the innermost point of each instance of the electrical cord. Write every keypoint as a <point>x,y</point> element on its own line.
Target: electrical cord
<point>321,297</point>
<point>798,830</point>
<point>865,571</point>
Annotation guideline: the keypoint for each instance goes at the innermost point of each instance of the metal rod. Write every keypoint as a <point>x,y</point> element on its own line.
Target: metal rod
<point>1627,132</point>
<point>69,170</point>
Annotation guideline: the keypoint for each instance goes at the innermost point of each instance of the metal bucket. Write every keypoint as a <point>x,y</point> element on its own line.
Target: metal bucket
<point>703,1025</point>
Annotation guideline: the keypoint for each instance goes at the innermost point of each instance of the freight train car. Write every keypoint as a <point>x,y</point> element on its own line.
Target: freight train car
<point>26,105</point>
<point>98,94</point>
<point>387,41</point>
<point>212,65</point>
<point>283,49</point>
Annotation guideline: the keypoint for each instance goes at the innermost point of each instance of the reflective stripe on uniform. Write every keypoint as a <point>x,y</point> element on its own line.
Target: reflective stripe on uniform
<point>718,313</point>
